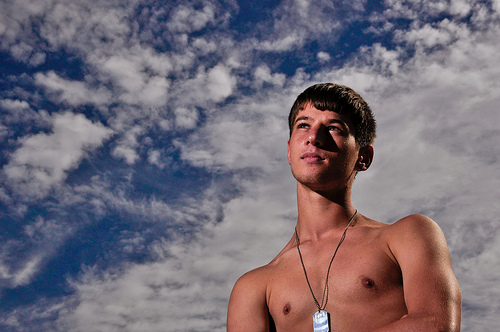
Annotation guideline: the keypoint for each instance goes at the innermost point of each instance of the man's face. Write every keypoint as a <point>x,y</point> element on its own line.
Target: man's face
<point>322,149</point>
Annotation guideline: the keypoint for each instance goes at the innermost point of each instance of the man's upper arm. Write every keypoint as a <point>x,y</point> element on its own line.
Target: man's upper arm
<point>247,309</point>
<point>431,291</point>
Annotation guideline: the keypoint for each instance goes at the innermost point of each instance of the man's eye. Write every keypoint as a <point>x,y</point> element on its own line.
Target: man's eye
<point>302,125</point>
<point>333,128</point>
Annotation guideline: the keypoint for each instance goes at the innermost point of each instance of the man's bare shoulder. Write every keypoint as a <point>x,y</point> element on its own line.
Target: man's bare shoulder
<point>255,277</point>
<point>431,289</point>
<point>415,225</point>
<point>416,236</point>
<point>248,309</point>
<point>408,233</point>
<point>259,277</point>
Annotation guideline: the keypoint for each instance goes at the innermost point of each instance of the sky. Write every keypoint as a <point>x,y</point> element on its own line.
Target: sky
<point>143,147</point>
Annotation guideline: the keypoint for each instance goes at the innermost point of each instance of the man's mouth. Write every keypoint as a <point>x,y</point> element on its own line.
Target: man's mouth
<point>312,157</point>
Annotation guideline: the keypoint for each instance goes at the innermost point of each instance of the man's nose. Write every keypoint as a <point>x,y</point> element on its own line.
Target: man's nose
<point>317,136</point>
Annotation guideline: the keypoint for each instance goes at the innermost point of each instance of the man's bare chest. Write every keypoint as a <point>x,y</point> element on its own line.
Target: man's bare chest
<point>362,281</point>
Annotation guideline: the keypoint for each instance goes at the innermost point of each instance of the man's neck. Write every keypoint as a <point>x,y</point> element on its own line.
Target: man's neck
<point>320,213</point>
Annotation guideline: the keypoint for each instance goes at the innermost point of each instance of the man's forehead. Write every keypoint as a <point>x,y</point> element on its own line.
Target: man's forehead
<point>309,112</point>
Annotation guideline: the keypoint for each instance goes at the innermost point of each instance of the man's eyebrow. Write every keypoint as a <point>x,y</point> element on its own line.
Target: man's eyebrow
<point>338,121</point>
<point>300,118</point>
<point>304,118</point>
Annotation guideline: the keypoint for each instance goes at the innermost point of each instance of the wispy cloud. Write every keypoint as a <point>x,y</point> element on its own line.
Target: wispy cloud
<point>43,160</point>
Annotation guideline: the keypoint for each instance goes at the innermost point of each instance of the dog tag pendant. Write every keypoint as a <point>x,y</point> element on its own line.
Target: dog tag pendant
<point>320,321</point>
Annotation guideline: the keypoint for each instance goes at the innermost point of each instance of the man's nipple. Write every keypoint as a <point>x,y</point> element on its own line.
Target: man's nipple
<point>286,309</point>
<point>367,282</point>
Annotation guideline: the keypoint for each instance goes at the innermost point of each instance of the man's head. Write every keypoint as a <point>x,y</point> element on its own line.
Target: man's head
<point>342,100</point>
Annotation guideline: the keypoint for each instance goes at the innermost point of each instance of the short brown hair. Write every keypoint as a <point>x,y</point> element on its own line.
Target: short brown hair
<point>339,99</point>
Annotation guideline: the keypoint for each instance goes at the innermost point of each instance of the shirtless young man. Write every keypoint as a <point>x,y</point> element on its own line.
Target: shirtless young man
<point>382,278</point>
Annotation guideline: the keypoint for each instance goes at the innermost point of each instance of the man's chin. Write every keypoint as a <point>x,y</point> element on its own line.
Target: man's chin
<point>319,183</point>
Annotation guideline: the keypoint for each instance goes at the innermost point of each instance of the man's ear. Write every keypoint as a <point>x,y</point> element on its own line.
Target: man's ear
<point>365,158</point>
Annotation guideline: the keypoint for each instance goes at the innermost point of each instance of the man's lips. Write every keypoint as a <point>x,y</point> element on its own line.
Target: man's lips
<point>312,157</point>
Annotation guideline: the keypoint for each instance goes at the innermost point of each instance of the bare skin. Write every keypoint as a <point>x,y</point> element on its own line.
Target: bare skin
<point>384,277</point>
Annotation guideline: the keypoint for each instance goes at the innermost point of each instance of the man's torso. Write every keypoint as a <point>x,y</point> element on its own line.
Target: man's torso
<point>365,284</point>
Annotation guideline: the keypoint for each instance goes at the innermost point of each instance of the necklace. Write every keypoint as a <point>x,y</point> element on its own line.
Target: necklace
<point>320,318</point>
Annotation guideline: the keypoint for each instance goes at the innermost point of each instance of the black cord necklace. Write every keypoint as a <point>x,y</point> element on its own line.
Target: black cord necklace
<point>320,318</point>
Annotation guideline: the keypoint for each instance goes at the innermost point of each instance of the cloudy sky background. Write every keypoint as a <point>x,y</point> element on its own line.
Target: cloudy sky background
<point>143,165</point>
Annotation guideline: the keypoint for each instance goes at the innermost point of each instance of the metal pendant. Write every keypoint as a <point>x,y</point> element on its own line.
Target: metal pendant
<point>320,321</point>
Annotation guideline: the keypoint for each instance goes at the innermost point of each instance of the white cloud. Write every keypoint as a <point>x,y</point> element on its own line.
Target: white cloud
<point>14,105</point>
<point>441,34</point>
<point>154,158</point>
<point>21,51</point>
<point>73,92</point>
<point>205,88</point>
<point>460,8</point>
<point>186,118</point>
<point>323,56</point>
<point>291,25</point>
<point>204,46</point>
<point>187,19</point>
<point>84,26</point>
<point>219,83</point>
<point>16,24</point>
<point>496,6</point>
<point>21,261</point>
<point>284,44</point>
<point>429,36</point>
<point>58,34</point>
<point>127,73</point>
<point>481,315</point>
<point>43,160</point>
<point>4,131</point>
<point>249,133</point>
<point>22,273</point>
<point>262,74</point>
<point>127,145</point>
<point>37,59</point>
<point>18,112</point>
<point>130,73</point>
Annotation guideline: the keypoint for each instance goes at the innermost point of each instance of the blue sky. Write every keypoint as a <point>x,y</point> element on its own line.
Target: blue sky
<point>143,162</point>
